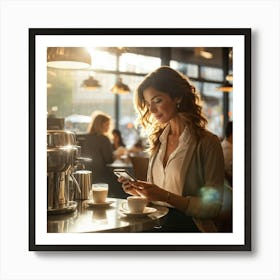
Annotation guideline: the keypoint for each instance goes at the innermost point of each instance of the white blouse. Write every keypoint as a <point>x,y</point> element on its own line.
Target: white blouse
<point>170,177</point>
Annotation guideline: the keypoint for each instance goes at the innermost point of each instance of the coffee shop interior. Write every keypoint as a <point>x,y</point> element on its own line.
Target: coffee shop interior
<point>84,82</point>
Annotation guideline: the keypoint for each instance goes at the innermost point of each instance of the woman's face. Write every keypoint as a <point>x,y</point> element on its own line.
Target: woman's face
<point>160,104</point>
<point>106,126</point>
<point>116,137</point>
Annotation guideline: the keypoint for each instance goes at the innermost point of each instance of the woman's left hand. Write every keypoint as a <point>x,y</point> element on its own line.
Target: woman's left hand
<point>151,191</point>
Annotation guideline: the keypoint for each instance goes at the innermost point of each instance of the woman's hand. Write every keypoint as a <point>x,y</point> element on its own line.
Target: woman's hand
<point>127,187</point>
<point>151,191</point>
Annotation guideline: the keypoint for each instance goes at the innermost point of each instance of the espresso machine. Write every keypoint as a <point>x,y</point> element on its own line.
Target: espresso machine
<point>62,159</point>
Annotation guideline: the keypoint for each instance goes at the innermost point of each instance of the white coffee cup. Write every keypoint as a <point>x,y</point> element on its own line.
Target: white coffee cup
<point>99,192</point>
<point>136,204</point>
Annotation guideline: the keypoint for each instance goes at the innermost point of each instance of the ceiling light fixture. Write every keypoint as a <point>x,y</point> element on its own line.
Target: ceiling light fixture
<point>229,77</point>
<point>90,83</point>
<point>203,53</point>
<point>68,58</point>
<point>225,87</point>
<point>227,84</point>
<point>120,87</point>
<point>206,54</point>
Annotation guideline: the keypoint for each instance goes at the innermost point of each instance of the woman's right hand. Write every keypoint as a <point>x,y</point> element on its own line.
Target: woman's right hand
<point>127,187</point>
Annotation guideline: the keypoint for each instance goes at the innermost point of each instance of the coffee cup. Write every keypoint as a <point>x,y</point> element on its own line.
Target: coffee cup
<point>99,192</point>
<point>136,204</point>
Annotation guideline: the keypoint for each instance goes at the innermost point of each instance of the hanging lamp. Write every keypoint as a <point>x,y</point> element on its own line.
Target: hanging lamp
<point>227,68</point>
<point>229,77</point>
<point>90,83</point>
<point>203,53</point>
<point>120,88</point>
<point>225,87</point>
<point>68,58</point>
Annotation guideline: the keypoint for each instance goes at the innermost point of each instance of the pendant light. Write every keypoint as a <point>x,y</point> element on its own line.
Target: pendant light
<point>120,88</point>
<point>225,87</point>
<point>227,84</point>
<point>68,58</point>
<point>229,77</point>
<point>90,83</point>
<point>203,53</point>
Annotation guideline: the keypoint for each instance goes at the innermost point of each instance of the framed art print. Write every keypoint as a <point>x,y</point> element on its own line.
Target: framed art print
<point>62,64</point>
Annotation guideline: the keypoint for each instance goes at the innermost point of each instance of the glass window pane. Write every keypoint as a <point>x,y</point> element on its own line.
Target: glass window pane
<point>210,89</point>
<point>213,107</point>
<point>76,103</point>
<point>198,85</point>
<point>230,110</point>
<point>66,97</point>
<point>88,100</point>
<point>212,74</point>
<point>59,92</point>
<point>103,60</point>
<point>127,112</point>
<point>191,70</point>
<point>136,63</point>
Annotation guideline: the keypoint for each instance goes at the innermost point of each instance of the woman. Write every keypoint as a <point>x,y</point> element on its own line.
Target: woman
<point>188,158</point>
<point>227,151</point>
<point>118,144</point>
<point>117,139</point>
<point>98,146</point>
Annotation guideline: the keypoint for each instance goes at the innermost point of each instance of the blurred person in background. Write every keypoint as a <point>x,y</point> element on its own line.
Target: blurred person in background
<point>118,145</point>
<point>137,148</point>
<point>117,139</point>
<point>227,150</point>
<point>98,146</point>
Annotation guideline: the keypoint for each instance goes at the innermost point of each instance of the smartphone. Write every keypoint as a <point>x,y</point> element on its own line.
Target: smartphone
<point>124,173</point>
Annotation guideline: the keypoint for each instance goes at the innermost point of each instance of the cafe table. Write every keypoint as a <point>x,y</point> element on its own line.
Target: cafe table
<point>108,217</point>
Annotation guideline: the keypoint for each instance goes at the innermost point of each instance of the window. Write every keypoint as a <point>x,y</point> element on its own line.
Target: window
<point>103,60</point>
<point>212,100</point>
<point>76,104</point>
<point>136,63</point>
<point>213,107</point>
<point>67,99</point>
<point>127,112</point>
<point>211,73</point>
<point>191,70</point>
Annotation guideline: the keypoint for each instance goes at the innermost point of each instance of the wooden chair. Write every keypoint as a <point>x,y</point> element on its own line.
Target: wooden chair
<point>140,166</point>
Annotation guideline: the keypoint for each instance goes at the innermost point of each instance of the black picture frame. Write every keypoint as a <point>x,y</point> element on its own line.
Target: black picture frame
<point>245,36</point>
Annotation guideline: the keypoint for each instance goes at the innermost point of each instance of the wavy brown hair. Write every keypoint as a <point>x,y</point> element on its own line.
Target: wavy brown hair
<point>176,85</point>
<point>96,125</point>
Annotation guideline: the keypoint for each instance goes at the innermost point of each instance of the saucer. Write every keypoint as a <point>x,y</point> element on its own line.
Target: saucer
<point>98,204</point>
<point>147,211</point>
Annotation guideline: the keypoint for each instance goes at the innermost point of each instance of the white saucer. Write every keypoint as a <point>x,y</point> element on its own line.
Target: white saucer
<point>147,211</point>
<point>98,204</point>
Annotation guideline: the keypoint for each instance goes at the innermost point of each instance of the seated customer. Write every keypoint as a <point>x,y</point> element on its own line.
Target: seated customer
<point>227,150</point>
<point>186,168</point>
<point>98,147</point>
<point>117,139</point>
<point>118,144</point>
